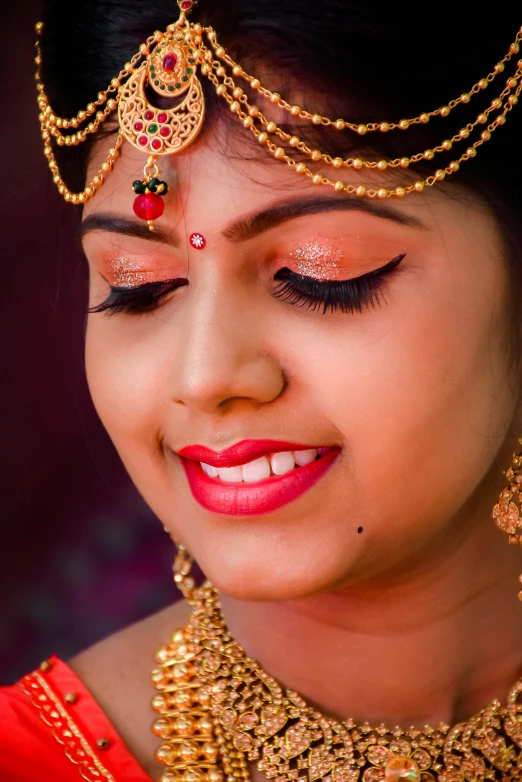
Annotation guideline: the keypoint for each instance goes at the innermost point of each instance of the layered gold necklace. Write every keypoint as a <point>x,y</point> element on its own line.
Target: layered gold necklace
<point>218,710</point>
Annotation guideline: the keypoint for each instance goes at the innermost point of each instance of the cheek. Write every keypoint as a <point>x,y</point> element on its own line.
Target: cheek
<point>419,392</point>
<point>126,376</point>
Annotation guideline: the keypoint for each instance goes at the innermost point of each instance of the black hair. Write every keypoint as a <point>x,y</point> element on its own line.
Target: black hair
<point>364,60</point>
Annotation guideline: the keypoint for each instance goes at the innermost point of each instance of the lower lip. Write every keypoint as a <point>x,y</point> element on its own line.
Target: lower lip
<point>252,499</point>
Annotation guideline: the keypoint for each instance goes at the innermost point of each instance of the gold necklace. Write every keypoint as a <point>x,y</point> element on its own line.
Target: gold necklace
<point>218,710</point>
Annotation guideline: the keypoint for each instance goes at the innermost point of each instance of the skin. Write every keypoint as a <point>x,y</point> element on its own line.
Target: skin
<point>413,620</point>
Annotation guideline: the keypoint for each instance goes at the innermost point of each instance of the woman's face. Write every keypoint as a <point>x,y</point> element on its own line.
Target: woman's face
<point>408,393</point>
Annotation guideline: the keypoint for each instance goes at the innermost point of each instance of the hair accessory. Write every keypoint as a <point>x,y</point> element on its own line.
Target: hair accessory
<point>168,63</point>
<point>217,709</point>
<point>150,190</point>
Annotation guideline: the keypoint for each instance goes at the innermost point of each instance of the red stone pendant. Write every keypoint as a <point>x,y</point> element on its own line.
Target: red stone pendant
<point>148,204</point>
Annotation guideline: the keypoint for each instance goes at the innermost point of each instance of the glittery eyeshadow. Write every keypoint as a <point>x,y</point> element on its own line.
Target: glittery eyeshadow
<point>127,273</point>
<point>319,260</point>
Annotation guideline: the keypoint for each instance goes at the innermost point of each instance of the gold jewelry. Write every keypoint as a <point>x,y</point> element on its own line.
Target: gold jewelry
<point>507,510</point>
<point>218,710</point>
<point>168,62</point>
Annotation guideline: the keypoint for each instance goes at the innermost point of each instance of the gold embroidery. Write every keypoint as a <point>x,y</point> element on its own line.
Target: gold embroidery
<point>65,731</point>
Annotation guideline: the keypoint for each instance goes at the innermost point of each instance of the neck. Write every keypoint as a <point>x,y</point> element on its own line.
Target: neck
<point>433,643</point>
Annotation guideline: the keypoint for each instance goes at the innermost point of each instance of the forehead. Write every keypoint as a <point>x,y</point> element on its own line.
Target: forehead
<point>225,176</point>
<point>223,182</point>
<point>237,198</point>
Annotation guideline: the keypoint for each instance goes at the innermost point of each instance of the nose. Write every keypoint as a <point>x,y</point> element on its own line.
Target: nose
<point>225,355</point>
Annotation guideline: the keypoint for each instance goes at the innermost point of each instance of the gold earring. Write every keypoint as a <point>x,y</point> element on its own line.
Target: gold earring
<point>182,567</point>
<point>507,510</point>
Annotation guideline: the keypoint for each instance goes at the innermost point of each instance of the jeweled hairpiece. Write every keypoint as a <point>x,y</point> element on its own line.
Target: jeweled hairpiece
<point>168,62</point>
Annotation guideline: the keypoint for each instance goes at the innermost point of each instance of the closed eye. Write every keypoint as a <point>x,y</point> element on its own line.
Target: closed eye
<point>138,299</point>
<point>343,295</point>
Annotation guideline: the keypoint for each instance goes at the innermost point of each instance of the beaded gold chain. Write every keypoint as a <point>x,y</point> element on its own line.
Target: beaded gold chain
<point>218,710</point>
<point>168,62</point>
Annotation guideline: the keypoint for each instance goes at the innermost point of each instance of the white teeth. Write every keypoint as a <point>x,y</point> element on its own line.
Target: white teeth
<point>282,462</point>
<point>305,457</point>
<point>262,468</point>
<point>257,470</point>
<point>230,474</point>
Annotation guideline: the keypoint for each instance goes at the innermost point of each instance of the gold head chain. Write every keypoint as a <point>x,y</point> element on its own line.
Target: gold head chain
<point>168,62</point>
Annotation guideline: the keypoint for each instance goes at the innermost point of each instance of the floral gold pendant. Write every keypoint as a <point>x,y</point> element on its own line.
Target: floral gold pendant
<point>170,70</point>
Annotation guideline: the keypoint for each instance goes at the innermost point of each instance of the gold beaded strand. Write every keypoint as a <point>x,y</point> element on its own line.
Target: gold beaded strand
<point>223,72</point>
<point>249,113</point>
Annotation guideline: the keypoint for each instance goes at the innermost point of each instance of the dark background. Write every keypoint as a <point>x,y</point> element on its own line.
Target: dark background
<point>80,553</point>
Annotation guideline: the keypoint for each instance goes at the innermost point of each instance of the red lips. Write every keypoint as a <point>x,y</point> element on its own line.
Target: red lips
<point>251,499</point>
<point>240,453</point>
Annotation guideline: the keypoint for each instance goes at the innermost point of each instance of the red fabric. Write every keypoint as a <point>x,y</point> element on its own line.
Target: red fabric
<point>64,750</point>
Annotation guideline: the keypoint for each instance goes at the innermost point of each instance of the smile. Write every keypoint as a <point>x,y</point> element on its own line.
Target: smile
<point>250,487</point>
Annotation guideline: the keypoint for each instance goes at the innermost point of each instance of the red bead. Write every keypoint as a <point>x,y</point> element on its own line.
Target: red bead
<point>162,117</point>
<point>165,131</point>
<point>138,126</point>
<point>169,62</point>
<point>143,141</point>
<point>156,144</point>
<point>148,206</point>
<point>149,115</point>
<point>186,5</point>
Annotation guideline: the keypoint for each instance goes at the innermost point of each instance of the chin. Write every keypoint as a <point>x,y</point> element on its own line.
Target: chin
<point>267,575</point>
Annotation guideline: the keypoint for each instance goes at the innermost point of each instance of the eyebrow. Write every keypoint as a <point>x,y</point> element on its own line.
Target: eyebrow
<point>249,227</point>
<point>126,226</point>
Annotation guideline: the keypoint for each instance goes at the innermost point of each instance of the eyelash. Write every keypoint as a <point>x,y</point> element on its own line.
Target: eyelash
<point>344,295</point>
<point>139,299</point>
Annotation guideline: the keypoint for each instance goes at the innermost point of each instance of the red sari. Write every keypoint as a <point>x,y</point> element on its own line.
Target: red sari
<point>52,730</point>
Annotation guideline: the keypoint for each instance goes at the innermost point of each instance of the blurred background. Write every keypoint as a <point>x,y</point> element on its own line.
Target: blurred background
<point>80,554</point>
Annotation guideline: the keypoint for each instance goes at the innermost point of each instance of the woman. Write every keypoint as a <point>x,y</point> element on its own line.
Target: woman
<point>316,389</point>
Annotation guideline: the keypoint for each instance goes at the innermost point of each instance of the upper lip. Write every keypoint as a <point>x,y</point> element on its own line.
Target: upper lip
<point>241,453</point>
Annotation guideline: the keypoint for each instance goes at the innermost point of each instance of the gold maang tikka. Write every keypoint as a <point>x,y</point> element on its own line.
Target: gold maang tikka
<point>169,63</point>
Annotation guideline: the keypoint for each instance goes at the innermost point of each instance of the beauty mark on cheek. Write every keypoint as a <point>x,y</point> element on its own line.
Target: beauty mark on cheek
<point>319,260</point>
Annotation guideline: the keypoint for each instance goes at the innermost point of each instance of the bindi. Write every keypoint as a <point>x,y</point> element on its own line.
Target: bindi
<point>197,241</point>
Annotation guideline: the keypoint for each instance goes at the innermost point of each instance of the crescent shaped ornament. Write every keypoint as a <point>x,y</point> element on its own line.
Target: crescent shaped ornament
<point>170,70</point>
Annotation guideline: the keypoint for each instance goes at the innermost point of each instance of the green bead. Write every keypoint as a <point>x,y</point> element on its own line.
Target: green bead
<point>152,184</point>
<point>138,187</point>
<point>152,129</point>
